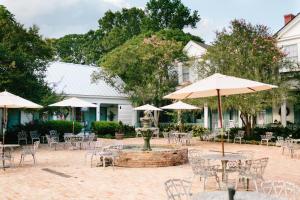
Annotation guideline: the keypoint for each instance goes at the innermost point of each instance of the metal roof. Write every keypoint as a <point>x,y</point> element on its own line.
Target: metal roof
<point>75,80</point>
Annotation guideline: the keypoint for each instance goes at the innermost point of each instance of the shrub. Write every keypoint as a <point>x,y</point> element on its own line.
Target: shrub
<point>107,129</point>
<point>198,131</point>
<point>104,127</point>
<point>61,126</point>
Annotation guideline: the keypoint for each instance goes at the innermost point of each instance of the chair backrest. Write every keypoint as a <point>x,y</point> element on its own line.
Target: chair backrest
<point>53,133</point>
<point>178,189</point>
<point>258,166</point>
<point>198,165</point>
<point>281,189</point>
<point>68,134</point>
<point>22,135</point>
<point>269,135</point>
<point>34,134</point>
<point>194,153</point>
<point>241,133</point>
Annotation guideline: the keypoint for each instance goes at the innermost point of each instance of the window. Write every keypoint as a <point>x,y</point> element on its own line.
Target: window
<point>185,74</point>
<point>292,52</point>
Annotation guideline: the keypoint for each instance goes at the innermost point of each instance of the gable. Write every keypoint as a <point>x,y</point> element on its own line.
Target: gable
<point>291,30</point>
<point>193,49</point>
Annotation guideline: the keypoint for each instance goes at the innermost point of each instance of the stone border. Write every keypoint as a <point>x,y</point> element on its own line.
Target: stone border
<point>161,158</point>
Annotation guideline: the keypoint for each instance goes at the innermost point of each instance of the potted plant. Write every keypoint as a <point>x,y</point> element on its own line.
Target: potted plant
<point>119,135</point>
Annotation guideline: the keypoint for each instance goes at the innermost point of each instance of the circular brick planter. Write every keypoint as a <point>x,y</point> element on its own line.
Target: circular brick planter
<point>160,156</point>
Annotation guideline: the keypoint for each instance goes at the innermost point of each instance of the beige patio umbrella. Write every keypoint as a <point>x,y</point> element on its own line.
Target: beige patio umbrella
<point>179,106</point>
<point>73,103</point>
<point>219,85</point>
<point>8,100</point>
<point>150,108</point>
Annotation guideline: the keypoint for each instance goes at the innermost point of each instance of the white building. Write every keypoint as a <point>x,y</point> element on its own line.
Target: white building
<point>74,80</point>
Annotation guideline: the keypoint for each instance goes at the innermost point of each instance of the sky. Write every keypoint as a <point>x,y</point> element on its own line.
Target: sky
<point>56,18</point>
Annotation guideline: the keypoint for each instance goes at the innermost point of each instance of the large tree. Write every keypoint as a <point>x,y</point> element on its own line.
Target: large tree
<point>23,59</point>
<point>145,64</point>
<point>171,14</point>
<point>247,51</point>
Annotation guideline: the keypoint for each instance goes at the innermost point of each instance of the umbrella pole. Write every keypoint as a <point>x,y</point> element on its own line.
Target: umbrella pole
<point>73,119</point>
<point>3,134</point>
<point>220,119</point>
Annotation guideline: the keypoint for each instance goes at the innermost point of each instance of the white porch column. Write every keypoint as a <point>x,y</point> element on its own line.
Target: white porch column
<point>283,113</point>
<point>240,123</point>
<point>98,112</point>
<point>205,116</point>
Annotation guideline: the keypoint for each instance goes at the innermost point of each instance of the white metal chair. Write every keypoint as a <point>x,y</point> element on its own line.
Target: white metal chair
<point>279,141</point>
<point>52,141</point>
<point>282,189</point>
<point>266,138</point>
<point>240,135</point>
<point>29,150</point>
<point>22,136</point>
<point>202,169</point>
<point>6,157</point>
<point>253,170</point>
<point>178,189</point>
<point>34,136</point>
<point>186,139</point>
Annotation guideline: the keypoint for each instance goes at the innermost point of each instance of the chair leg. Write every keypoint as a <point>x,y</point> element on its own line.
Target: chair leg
<point>33,156</point>
<point>21,160</point>
<point>255,183</point>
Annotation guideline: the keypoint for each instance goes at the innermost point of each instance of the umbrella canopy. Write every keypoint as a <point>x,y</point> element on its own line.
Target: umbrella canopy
<point>180,106</point>
<point>74,103</point>
<point>9,100</point>
<point>219,85</point>
<point>147,107</point>
<point>227,85</point>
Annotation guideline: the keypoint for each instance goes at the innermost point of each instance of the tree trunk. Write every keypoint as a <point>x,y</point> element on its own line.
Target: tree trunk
<point>246,119</point>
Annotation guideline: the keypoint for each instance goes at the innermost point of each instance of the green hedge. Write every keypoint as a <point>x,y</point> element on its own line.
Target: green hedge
<point>104,127</point>
<point>107,129</point>
<point>196,129</point>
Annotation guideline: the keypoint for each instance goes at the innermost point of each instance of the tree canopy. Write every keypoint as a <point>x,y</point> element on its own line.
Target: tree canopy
<point>247,51</point>
<point>23,59</point>
<point>172,14</point>
<point>145,64</point>
<point>115,28</point>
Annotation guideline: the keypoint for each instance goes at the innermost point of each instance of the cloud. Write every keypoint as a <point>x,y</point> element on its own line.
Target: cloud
<point>60,17</point>
<point>206,29</point>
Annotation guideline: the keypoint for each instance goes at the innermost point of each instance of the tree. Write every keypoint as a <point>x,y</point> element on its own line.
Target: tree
<point>172,14</point>
<point>24,56</point>
<point>247,51</point>
<point>145,65</point>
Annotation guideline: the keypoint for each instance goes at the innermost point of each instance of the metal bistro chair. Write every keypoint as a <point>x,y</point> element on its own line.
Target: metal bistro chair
<point>186,139</point>
<point>178,189</point>
<point>34,136</point>
<point>282,189</point>
<point>254,170</point>
<point>279,141</point>
<point>267,137</point>
<point>29,151</point>
<point>240,135</point>
<point>22,136</point>
<point>204,170</point>
<point>52,141</point>
<point>6,157</point>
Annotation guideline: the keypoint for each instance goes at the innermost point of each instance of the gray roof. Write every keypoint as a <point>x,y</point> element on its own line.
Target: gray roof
<point>75,80</point>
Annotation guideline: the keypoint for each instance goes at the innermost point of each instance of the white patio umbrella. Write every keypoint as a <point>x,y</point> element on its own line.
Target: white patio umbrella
<point>219,85</point>
<point>8,100</point>
<point>179,106</point>
<point>73,103</point>
<point>150,108</point>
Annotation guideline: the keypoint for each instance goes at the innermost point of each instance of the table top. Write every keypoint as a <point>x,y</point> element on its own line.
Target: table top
<point>9,145</point>
<point>239,195</point>
<point>218,156</point>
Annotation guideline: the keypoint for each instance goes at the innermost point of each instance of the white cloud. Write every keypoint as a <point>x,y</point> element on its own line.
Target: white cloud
<point>59,17</point>
<point>206,29</point>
